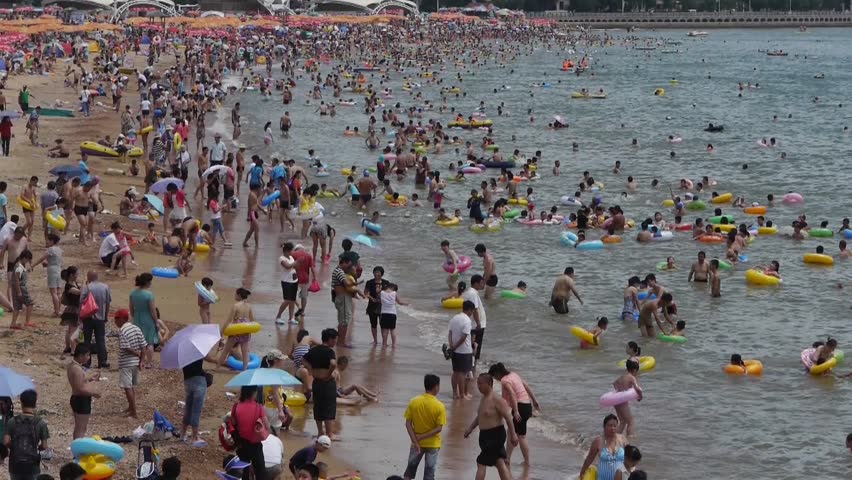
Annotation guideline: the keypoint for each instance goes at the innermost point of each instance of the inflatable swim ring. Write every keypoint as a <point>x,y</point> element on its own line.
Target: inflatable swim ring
<point>793,198</point>
<point>518,201</point>
<point>767,230</point>
<point>165,272</point>
<point>452,303</point>
<point>668,202</point>
<point>818,259</point>
<point>463,264</point>
<point>370,226</point>
<point>590,245</point>
<point>645,363</point>
<point>752,367</point>
<point>824,367</point>
<point>246,328</point>
<point>583,335</point>
<point>821,232</point>
<point>512,294</point>
<point>695,205</point>
<point>267,200</point>
<point>25,204</point>
<point>711,239</point>
<point>611,399</point>
<point>55,219</point>
<point>97,467</point>
<point>207,295</point>
<point>234,364</point>
<point>718,219</point>
<point>449,223</point>
<point>294,399</point>
<point>95,446</point>
<point>671,338</point>
<point>756,277</point>
<point>756,210</point>
<point>480,228</point>
<point>723,198</point>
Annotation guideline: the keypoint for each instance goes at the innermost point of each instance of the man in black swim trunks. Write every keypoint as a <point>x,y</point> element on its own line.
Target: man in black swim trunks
<point>492,413</point>
<point>489,269</point>
<point>81,392</point>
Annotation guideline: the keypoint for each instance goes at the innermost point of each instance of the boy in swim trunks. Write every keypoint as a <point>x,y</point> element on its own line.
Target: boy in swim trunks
<point>490,269</point>
<point>491,415</point>
<point>452,259</point>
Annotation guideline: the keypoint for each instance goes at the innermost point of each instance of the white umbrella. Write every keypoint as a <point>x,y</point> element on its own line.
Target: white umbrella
<point>216,168</point>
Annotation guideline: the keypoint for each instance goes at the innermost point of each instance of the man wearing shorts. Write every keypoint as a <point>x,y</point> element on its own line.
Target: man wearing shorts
<point>343,289</point>
<point>131,344</point>
<point>477,283</point>
<point>492,413</point>
<point>460,350</point>
<point>489,269</point>
<point>81,392</point>
<point>289,284</point>
<point>321,361</point>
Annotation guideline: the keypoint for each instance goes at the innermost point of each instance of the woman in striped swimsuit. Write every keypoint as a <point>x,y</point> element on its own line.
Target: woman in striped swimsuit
<point>608,449</point>
<point>303,343</point>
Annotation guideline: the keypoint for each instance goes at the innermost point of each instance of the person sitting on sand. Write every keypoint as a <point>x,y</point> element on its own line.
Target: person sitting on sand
<point>344,392</point>
<point>60,150</point>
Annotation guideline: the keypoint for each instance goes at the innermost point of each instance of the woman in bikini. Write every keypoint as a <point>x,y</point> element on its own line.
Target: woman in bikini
<point>241,312</point>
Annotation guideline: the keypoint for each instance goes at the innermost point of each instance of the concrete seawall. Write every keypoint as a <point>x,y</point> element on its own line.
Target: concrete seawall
<point>700,20</point>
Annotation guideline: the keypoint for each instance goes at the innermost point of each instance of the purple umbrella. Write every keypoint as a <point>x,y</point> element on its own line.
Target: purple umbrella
<point>161,185</point>
<point>188,345</point>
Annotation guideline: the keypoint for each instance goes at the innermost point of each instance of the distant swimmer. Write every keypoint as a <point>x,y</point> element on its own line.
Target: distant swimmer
<point>563,288</point>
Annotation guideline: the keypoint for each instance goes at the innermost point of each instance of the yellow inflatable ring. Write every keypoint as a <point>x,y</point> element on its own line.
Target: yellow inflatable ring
<point>828,365</point>
<point>235,329</point>
<point>645,363</point>
<point>756,277</point>
<point>583,335</point>
<point>752,367</point>
<point>767,230</point>
<point>55,219</point>
<point>178,141</point>
<point>148,129</point>
<point>518,201</point>
<point>199,247</point>
<point>294,399</point>
<point>25,204</point>
<point>401,198</point>
<point>723,198</point>
<point>725,228</point>
<point>668,202</point>
<point>818,259</point>
<point>453,303</point>
<point>449,223</point>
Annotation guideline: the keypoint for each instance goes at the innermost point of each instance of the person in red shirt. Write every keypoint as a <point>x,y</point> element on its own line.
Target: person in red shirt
<point>305,274</point>
<point>5,134</point>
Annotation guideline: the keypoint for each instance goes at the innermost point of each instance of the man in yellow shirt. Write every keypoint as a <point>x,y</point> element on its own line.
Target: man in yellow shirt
<point>425,417</point>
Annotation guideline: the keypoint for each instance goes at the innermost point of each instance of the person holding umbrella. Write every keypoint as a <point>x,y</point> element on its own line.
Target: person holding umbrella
<point>187,350</point>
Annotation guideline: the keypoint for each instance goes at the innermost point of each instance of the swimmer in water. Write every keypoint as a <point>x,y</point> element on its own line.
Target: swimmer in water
<point>678,331</point>
<point>650,313</point>
<point>521,288</point>
<point>563,288</point>
<point>633,351</point>
<point>631,298</point>
<point>715,279</point>
<point>670,264</point>
<point>596,332</point>
<point>626,422</point>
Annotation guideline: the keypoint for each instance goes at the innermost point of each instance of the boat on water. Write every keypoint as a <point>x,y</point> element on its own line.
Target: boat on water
<point>644,48</point>
<point>673,42</point>
<point>697,33</point>
<point>777,53</point>
<point>670,51</point>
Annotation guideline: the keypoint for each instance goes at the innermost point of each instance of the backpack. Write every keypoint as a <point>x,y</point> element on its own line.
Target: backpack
<point>24,445</point>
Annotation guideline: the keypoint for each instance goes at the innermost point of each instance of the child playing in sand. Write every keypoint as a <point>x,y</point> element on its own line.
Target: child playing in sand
<point>184,263</point>
<point>151,235</point>
<point>203,303</point>
<point>626,422</point>
<point>596,332</point>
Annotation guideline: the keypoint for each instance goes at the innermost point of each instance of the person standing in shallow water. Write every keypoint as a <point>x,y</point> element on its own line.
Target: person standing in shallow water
<point>520,398</point>
<point>490,417</point>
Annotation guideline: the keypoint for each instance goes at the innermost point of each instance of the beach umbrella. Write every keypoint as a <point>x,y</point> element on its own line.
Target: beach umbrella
<point>70,171</point>
<point>262,377</point>
<point>188,345</point>
<point>161,185</point>
<point>156,202</point>
<point>364,240</point>
<point>13,383</point>
<point>216,168</point>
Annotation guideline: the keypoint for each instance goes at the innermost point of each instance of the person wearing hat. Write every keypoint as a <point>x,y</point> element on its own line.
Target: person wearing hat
<point>272,398</point>
<point>217,151</point>
<point>308,454</point>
